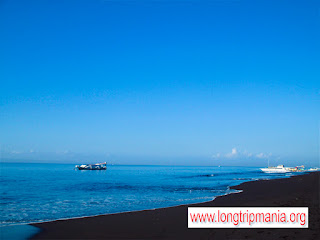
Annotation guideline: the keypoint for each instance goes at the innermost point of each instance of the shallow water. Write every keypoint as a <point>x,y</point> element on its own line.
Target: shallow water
<point>44,192</point>
<point>18,232</point>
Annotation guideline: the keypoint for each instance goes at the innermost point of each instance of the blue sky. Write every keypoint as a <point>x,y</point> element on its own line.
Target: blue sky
<point>160,82</point>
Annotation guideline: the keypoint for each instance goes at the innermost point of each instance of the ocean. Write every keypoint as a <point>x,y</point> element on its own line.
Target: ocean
<point>33,192</point>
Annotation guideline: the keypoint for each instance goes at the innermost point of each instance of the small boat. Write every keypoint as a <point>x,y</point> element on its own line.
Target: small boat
<point>313,169</point>
<point>97,166</point>
<point>277,169</point>
<point>297,169</point>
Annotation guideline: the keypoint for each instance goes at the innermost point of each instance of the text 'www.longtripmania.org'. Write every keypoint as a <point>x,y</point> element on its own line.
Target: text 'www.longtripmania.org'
<point>263,217</point>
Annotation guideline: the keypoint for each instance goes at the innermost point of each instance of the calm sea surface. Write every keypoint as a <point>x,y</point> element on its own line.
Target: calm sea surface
<point>42,192</point>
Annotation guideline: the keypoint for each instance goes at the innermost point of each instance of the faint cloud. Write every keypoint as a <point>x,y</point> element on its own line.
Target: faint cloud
<point>260,155</point>
<point>15,152</point>
<point>218,155</point>
<point>263,155</point>
<point>63,152</point>
<point>235,153</point>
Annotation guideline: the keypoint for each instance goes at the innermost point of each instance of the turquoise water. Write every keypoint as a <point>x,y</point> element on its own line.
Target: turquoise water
<point>44,192</point>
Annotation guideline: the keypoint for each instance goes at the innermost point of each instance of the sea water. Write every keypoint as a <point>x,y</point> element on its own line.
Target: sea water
<point>32,192</point>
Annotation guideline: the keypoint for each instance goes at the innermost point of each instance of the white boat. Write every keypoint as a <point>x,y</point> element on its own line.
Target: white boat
<point>313,169</point>
<point>277,169</point>
<point>97,166</point>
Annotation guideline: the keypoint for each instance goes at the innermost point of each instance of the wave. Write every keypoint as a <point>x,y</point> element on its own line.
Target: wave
<point>222,174</point>
<point>105,187</point>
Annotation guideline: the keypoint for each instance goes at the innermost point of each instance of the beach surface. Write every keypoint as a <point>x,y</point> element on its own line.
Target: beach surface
<point>171,223</point>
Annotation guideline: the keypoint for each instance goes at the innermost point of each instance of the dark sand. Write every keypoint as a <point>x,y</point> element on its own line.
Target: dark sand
<point>171,223</point>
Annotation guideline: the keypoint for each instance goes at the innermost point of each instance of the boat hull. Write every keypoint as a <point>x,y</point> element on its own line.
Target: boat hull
<point>274,170</point>
<point>80,168</point>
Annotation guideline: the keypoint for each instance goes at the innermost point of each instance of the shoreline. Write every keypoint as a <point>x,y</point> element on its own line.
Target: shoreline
<point>171,222</point>
<point>106,214</point>
<point>133,211</point>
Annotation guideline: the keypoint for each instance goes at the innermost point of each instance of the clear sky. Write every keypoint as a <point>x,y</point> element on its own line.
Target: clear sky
<point>222,82</point>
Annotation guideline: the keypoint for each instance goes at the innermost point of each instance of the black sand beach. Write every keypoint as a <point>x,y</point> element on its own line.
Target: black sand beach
<point>171,223</point>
